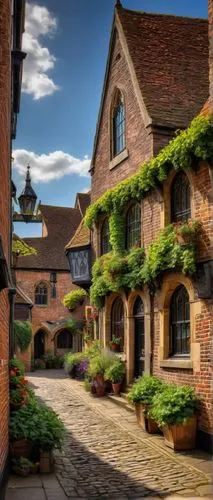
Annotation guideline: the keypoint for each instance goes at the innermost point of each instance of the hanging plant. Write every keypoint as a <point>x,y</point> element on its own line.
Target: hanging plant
<point>74,298</point>
<point>22,331</point>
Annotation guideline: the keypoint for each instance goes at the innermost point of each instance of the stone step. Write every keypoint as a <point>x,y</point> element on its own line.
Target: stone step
<point>121,400</point>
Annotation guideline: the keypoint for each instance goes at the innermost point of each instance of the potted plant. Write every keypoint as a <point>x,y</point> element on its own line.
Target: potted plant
<point>22,466</point>
<point>187,233</point>
<point>175,412</point>
<point>97,368</point>
<point>115,343</point>
<point>74,298</point>
<point>48,359</point>
<point>39,364</point>
<point>141,395</point>
<point>115,374</point>
<point>16,367</point>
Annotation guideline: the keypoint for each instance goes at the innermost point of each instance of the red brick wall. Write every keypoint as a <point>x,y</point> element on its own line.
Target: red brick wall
<point>5,42</point>
<point>138,142</point>
<point>211,48</point>
<point>55,310</point>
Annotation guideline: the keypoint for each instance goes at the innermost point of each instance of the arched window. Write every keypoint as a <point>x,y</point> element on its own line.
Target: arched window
<point>117,320</point>
<point>105,243</point>
<point>41,294</point>
<point>133,226</point>
<point>64,340</point>
<point>180,322</point>
<point>180,198</point>
<point>118,125</point>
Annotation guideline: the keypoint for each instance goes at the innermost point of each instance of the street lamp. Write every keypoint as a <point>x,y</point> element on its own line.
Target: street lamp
<point>27,199</point>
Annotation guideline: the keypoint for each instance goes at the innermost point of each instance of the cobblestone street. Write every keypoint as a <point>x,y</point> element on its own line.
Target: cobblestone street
<point>105,454</point>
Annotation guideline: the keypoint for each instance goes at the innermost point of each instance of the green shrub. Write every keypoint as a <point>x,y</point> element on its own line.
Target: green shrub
<point>72,360</point>
<point>74,298</point>
<point>145,389</point>
<point>174,405</point>
<point>100,363</point>
<point>75,325</point>
<point>116,372</point>
<point>39,364</point>
<point>38,424</point>
<point>17,365</point>
<point>22,334</point>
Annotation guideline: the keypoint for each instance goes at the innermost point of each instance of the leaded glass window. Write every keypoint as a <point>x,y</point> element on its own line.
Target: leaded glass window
<point>180,198</point>
<point>180,322</point>
<point>80,264</point>
<point>41,294</point>
<point>118,126</point>
<point>117,320</point>
<point>105,243</point>
<point>133,226</point>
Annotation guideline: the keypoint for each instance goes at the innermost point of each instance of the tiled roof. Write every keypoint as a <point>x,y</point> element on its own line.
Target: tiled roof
<point>82,202</point>
<point>61,223</point>
<point>170,58</point>
<point>80,238</point>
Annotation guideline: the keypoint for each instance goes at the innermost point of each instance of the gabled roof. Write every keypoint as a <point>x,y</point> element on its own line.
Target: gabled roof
<point>81,237</point>
<point>82,202</point>
<point>168,61</point>
<point>61,223</point>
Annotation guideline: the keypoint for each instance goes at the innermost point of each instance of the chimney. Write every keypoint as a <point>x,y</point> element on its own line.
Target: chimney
<point>211,51</point>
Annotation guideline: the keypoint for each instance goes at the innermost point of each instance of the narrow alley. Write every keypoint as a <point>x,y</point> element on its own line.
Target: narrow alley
<point>106,456</point>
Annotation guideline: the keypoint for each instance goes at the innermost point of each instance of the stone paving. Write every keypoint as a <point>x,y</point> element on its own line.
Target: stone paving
<point>106,455</point>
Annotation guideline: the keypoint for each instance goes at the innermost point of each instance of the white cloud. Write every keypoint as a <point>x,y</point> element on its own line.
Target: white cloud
<point>39,22</point>
<point>49,167</point>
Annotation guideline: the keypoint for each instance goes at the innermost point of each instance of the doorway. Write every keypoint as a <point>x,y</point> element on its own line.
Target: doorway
<point>138,313</point>
<point>39,344</point>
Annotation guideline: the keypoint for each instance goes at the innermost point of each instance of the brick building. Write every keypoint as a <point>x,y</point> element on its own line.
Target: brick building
<point>43,279</point>
<point>153,87</point>
<point>11,29</point>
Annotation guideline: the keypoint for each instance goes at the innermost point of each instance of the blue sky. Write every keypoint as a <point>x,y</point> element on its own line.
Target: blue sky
<point>67,44</point>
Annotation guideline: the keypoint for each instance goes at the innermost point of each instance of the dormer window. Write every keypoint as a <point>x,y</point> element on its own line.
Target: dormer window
<point>118,125</point>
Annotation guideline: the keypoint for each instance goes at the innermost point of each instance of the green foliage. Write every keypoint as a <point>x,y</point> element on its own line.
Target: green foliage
<point>100,363</point>
<point>117,232</point>
<point>115,340</point>
<point>189,229</point>
<point>21,248</point>
<point>194,142</point>
<point>75,325</point>
<point>166,253</point>
<point>22,334</point>
<point>114,271</point>
<point>16,365</point>
<point>144,390</point>
<point>94,348</point>
<point>39,364</point>
<point>38,424</point>
<point>72,361</point>
<point>174,405</point>
<point>115,373</point>
<point>74,298</point>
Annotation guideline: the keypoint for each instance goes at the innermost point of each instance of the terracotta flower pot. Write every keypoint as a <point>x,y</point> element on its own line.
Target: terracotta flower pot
<point>181,436</point>
<point>114,347</point>
<point>100,390</point>
<point>46,463</point>
<point>21,448</point>
<point>117,387</point>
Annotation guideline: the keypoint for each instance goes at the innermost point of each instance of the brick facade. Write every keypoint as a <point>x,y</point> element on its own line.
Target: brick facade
<point>54,311</point>
<point>211,49</point>
<point>5,79</point>
<point>142,143</point>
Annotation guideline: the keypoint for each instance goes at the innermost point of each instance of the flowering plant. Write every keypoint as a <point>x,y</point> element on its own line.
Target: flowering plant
<point>115,340</point>
<point>81,368</point>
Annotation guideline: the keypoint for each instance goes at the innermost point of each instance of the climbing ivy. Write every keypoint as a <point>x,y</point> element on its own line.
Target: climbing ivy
<point>21,248</point>
<point>22,331</point>
<point>193,143</point>
<point>117,270</point>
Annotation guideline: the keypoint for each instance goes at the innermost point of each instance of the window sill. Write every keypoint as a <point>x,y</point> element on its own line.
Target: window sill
<point>185,364</point>
<point>40,305</point>
<point>118,159</point>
